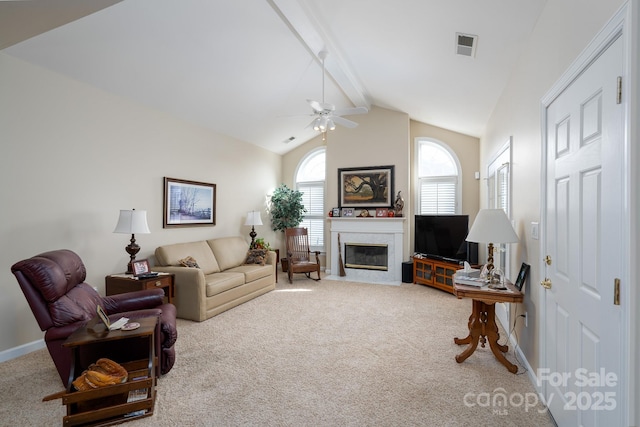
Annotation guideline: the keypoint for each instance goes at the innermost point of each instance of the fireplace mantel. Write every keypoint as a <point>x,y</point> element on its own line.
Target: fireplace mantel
<point>389,231</point>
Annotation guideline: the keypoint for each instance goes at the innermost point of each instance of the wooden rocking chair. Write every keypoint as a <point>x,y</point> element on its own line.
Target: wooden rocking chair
<point>299,253</point>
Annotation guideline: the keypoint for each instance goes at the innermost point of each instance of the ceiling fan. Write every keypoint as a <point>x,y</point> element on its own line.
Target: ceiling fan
<point>326,114</point>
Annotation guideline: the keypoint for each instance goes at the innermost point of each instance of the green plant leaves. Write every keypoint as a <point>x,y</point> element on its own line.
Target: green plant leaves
<point>286,208</point>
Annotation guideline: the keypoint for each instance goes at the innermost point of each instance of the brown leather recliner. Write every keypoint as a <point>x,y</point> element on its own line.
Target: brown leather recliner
<point>53,283</point>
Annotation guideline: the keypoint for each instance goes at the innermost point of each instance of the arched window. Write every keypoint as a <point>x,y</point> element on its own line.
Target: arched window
<point>310,178</point>
<point>438,179</point>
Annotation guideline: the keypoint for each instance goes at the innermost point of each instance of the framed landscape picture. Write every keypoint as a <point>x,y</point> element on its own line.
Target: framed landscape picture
<point>366,187</point>
<point>188,203</point>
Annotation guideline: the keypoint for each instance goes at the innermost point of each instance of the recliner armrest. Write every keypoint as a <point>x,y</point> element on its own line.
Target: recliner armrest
<point>131,301</point>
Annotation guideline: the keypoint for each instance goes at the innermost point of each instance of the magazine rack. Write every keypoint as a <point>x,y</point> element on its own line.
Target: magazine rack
<point>113,404</point>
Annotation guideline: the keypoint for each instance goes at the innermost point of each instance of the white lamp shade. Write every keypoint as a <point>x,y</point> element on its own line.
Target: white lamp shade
<point>492,226</point>
<point>253,218</point>
<point>132,222</point>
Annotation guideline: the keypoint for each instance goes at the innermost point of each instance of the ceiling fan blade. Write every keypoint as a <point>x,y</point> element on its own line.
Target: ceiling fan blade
<point>351,111</point>
<point>320,106</point>
<point>344,122</point>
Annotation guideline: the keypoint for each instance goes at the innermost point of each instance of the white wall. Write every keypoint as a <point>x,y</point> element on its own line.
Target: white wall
<point>563,31</point>
<point>73,156</point>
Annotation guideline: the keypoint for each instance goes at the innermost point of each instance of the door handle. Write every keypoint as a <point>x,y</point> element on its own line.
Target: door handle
<point>546,283</point>
<point>547,260</point>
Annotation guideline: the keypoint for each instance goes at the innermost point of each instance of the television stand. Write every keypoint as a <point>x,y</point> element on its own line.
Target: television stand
<point>435,272</point>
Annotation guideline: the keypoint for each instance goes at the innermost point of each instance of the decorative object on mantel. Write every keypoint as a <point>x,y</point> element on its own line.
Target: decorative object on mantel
<point>398,205</point>
<point>188,203</point>
<point>253,219</point>
<point>366,187</point>
<point>132,222</point>
<point>364,213</point>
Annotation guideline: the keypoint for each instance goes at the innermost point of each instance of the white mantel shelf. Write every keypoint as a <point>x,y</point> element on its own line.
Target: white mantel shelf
<point>389,230</point>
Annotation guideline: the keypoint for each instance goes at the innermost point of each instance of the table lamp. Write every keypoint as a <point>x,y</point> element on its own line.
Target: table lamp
<point>253,219</point>
<point>491,226</point>
<point>132,222</point>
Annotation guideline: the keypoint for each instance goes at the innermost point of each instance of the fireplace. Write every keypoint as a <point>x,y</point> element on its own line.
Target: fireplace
<point>373,236</point>
<point>368,256</point>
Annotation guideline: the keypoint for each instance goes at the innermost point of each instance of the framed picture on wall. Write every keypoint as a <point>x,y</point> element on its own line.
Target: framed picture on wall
<point>188,203</point>
<point>366,187</point>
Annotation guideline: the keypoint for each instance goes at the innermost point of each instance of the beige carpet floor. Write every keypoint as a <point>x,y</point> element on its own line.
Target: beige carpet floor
<point>325,353</point>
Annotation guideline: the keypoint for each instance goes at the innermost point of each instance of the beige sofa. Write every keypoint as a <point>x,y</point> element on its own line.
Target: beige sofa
<point>221,281</point>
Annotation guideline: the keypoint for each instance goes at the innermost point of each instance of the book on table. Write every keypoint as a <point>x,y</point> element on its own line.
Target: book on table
<point>470,277</point>
<point>471,281</point>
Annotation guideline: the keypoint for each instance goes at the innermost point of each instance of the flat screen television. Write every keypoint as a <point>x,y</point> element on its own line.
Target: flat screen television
<point>443,237</point>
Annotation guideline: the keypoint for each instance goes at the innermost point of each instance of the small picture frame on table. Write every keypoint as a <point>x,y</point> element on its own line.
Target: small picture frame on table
<point>335,212</point>
<point>140,267</point>
<point>347,212</point>
<point>103,317</point>
<point>522,276</point>
<point>382,212</point>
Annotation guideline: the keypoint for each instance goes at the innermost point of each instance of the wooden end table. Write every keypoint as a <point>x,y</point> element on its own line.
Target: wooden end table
<point>482,322</point>
<point>112,404</point>
<point>122,283</point>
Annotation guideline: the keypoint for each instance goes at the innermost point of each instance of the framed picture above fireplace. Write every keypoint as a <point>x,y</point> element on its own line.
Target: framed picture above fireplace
<point>366,187</point>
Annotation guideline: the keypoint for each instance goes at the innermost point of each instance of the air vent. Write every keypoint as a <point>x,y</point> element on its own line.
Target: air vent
<point>466,44</point>
<point>288,140</point>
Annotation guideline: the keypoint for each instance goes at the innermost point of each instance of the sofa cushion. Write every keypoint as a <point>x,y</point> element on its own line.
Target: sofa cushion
<point>256,256</point>
<point>223,281</point>
<point>172,254</point>
<point>253,271</point>
<point>229,251</point>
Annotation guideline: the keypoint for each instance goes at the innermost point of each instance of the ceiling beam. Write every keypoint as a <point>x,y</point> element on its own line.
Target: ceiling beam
<point>304,25</point>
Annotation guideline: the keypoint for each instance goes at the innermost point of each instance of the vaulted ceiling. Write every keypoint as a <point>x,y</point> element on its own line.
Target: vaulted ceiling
<point>245,68</point>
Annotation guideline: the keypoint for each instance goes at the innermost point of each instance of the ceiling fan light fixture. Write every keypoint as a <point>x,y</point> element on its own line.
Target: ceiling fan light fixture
<point>321,124</point>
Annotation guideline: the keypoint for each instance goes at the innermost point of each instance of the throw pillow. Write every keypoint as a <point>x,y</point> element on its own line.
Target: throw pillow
<point>189,262</point>
<point>256,256</point>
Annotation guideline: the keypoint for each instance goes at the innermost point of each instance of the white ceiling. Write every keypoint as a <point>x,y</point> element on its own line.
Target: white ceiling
<point>245,68</point>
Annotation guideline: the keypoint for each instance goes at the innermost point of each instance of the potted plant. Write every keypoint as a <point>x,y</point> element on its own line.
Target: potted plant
<point>286,210</point>
<point>259,243</point>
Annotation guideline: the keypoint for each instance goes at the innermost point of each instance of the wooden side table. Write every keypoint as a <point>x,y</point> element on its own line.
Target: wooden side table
<point>482,322</point>
<point>122,283</point>
<point>112,404</point>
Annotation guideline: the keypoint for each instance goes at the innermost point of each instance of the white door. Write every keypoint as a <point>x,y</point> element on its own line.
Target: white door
<point>581,367</point>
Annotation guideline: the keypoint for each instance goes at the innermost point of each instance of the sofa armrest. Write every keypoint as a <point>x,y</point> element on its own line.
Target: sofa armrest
<point>272,259</point>
<point>190,292</point>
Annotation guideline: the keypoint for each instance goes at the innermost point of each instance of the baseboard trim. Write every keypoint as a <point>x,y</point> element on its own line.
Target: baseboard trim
<point>524,363</point>
<point>21,350</point>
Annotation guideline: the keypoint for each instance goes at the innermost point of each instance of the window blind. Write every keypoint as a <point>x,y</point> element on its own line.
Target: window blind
<point>438,196</point>
<point>313,200</point>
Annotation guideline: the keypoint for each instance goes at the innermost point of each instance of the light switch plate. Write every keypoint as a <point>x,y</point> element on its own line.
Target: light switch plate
<point>535,231</point>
